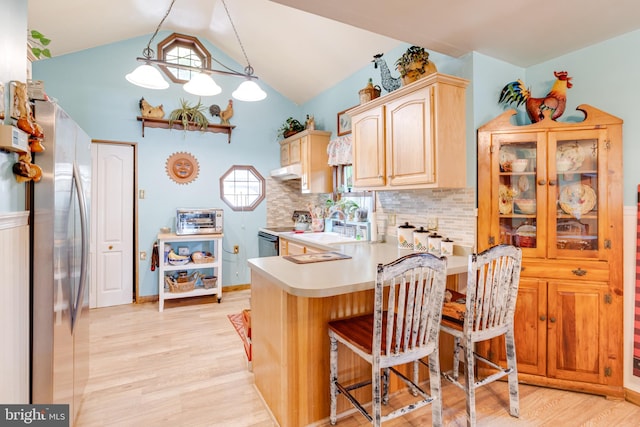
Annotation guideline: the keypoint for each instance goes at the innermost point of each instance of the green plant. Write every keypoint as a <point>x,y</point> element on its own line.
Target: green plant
<point>189,114</point>
<point>413,55</point>
<point>38,43</point>
<point>290,127</point>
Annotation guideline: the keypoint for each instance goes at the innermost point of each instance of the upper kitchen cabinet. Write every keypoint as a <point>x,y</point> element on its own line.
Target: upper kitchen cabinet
<point>308,149</point>
<point>555,190</point>
<point>413,137</point>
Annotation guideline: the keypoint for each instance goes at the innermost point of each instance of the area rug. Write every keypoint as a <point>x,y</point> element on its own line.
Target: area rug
<point>238,325</point>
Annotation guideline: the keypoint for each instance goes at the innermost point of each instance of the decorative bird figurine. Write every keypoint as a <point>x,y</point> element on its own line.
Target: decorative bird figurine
<point>224,115</point>
<point>556,99</point>
<point>388,83</point>
<point>149,111</point>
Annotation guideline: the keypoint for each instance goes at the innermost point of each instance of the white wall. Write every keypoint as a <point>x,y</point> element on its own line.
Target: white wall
<point>13,66</point>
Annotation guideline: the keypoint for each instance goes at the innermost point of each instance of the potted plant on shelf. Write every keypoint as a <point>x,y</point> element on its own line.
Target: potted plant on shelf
<point>414,64</point>
<point>187,114</point>
<point>290,127</point>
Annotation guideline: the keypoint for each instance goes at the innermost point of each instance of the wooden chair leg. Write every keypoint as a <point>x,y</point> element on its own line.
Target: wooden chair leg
<point>376,400</point>
<point>470,385</point>
<point>435,389</point>
<point>456,358</point>
<point>333,370</point>
<point>514,398</point>
<point>385,386</point>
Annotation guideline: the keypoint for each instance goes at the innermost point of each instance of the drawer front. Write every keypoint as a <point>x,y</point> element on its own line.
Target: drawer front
<point>569,269</point>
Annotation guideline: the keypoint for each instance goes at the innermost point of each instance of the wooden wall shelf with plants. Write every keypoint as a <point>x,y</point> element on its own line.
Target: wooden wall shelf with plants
<point>164,124</point>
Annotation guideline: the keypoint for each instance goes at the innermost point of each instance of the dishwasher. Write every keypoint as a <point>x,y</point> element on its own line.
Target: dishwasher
<point>267,244</point>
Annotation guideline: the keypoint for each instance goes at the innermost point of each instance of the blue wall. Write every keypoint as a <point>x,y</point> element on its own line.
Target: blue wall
<point>90,85</point>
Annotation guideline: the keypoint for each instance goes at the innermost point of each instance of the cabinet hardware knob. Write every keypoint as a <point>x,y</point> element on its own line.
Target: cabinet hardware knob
<point>543,317</point>
<point>542,182</point>
<point>110,247</point>
<point>552,319</point>
<point>552,182</point>
<point>579,272</point>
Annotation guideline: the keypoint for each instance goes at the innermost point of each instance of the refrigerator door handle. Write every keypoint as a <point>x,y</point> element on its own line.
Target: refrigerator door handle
<point>82,205</point>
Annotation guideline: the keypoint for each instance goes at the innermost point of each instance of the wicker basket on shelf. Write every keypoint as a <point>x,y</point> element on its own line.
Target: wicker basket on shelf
<point>176,286</point>
<point>209,282</point>
<point>202,257</point>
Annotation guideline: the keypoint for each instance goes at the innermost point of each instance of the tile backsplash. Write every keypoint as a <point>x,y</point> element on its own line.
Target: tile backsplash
<point>454,209</point>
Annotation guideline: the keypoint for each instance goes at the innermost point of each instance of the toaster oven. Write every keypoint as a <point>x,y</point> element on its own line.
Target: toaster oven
<point>199,221</point>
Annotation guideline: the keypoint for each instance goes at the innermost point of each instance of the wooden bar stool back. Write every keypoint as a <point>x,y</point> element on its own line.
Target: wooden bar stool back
<point>403,328</point>
<point>492,289</point>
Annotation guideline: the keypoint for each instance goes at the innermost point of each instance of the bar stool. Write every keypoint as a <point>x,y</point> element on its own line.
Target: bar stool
<point>492,288</point>
<point>414,286</point>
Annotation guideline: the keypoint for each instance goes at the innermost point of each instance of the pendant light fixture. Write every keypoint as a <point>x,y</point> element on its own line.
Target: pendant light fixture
<point>201,83</point>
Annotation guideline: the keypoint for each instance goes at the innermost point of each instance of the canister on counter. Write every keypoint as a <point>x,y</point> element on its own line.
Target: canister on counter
<point>446,247</point>
<point>435,241</point>
<point>421,240</point>
<point>405,236</point>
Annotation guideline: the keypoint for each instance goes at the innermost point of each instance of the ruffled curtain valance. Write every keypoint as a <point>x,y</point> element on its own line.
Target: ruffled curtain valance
<point>339,151</point>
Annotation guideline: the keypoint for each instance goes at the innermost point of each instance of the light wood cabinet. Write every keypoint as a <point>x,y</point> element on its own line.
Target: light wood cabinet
<point>555,190</point>
<point>309,149</point>
<point>413,137</point>
<point>287,247</point>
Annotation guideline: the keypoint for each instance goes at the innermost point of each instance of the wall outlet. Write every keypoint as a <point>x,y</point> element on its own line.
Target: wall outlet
<point>143,256</point>
<point>236,249</point>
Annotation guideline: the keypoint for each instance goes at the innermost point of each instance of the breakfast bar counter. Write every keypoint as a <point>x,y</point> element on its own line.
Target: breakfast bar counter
<point>291,305</point>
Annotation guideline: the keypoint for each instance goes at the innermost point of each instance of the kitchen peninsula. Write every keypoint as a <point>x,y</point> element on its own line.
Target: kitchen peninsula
<point>290,306</point>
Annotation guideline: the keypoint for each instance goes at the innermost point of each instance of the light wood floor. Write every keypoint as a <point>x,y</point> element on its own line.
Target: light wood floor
<point>186,367</point>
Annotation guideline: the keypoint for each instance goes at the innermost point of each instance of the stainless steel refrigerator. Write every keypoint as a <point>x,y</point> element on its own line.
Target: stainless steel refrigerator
<point>60,209</point>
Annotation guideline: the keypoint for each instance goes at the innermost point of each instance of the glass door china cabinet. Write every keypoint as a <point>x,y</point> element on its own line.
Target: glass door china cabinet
<point>555,190</point>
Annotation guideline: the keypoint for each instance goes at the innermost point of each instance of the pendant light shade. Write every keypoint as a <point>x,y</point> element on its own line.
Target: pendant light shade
<point>203,85</point>
<point>249,91</point>
<point>148,77</point>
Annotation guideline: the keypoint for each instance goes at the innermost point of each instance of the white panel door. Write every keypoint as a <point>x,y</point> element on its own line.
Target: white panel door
<point>113,216</point>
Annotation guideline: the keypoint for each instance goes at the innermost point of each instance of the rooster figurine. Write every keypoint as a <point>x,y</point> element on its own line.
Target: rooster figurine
<point>225,115</point>
<point>556,99</point>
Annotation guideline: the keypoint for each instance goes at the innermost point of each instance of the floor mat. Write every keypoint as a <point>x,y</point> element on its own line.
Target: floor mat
<point>238,324</point>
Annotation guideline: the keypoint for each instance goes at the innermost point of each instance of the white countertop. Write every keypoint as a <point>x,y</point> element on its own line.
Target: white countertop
<point>329,278</point>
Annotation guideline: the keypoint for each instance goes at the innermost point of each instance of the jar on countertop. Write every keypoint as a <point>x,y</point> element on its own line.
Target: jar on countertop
<point>405,236</point>
<point>446,247</point>
<point>434,243</point>
<point>421,240</point>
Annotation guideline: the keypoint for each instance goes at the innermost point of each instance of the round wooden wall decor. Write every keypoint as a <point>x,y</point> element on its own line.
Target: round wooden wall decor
<point>182,167</point>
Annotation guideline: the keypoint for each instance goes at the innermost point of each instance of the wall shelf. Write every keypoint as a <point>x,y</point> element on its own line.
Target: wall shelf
<point>164,124</point>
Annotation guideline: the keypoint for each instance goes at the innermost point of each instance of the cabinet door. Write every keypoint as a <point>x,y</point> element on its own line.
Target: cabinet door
<point>530,329</point>
<point>577,327</point>
<point>516,203</point>
<point>295,155</point>
<point>303,147</point>
<point>577,196</point>
<point>285,159</point>
<point>409,138</point>
<point>368,148</point>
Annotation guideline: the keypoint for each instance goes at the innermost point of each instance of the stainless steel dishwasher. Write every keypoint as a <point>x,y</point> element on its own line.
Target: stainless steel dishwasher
<point>267,244</point>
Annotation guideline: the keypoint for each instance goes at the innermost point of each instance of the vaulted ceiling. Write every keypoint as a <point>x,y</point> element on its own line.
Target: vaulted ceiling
<point>302,47</point>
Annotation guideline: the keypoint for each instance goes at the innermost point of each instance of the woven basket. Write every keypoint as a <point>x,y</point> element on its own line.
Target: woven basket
<point>175,286</point>
<point>209,282</point>
<point>202,257</point>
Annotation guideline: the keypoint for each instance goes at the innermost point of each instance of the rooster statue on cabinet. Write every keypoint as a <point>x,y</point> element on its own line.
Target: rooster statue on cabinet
<point>555,100</point>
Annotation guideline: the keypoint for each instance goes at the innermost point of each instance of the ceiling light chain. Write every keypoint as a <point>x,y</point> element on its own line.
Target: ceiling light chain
<point>148,52</point>
<point>248,69</point>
